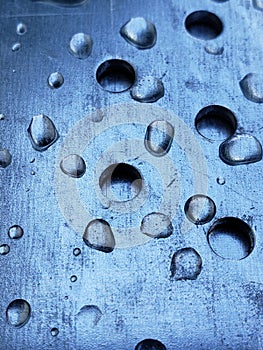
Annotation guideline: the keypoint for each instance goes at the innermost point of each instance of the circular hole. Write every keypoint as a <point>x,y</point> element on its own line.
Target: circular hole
<point>203,25</point>
<point>231,238</point>
<point>215,123</point>
<point>115,75</point>
<point>120,182</point>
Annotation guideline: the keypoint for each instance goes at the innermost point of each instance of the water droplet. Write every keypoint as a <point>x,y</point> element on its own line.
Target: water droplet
<point>15,232</point>
<point>63,3</point>
<point>55,80</point>
<point>139,32</point>
<point>33,173</point>
<point>76,251</point>
<point>258,4</point>
<point>159,137</point>
<point>240,149</point>
<point>32,160</point>
<point>150,344</point>
<point>203,25</point>
<point>18,313</point>
<point>252,87</point>
<point>186,264</point>
<point>73,278</point>
<point>5,158</point>
<point>215,123</point>
<point>214,48</point>
<point>16,47</point>
<point>80,45</point>
<point>2,116</point>
<point>231,238</point>
<point>21,29</point>
<point>73,166</point>
<point>157,225</point>
<point>88,316</point>
<point>220,180</point>
<point>200,209</point>
<point>98,235</point>
<point>54,332</point>
<point>42,132</point>
<point>4,249</point>
<point>148,89</point>
<point>115,75</point>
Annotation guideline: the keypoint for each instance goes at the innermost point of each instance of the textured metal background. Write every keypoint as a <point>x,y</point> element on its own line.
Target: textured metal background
<point>132,288</point>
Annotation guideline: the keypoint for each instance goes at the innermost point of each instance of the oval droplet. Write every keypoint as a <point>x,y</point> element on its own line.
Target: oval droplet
<point>88,316</point>
<point>139,32</point>
<point>240,149</point>
<point>150,344</point>
<point>186,264</point>
<point>73,166</point>
<point>54,332</point>
<point>73,278</point>
<point>5,158</point>
<point>16,47</point>
<point>157,225</point>
<point>148,89</point>
<point>252,87</point>
<point>159,137</point>
<point>21,29</point>
<point>80,45</point>
<point>64,3</point>
<point>76,251</point>
<point>200,209</point>
<point>4,249</point>
<point>98,235</point>
<point>258,4</point>
<point>55,80</point>
<point>18,313</point>
<point>42,132</point>
<point>15,232</point>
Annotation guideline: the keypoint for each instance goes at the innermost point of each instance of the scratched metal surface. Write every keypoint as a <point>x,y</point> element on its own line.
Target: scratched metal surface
<point>128,295</point>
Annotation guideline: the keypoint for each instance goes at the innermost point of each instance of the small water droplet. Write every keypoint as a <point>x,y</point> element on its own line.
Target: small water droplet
<point>258,4</point>
<point>5,158</point>
<point>150,344</point>
<point>16,47</point>
<point>42,132</point>
<point>18,313</point>
<point>252,87</point>
<point>214,49</point>
<point>98,235</point>
<point>200,209</point>
<point>21,29</point>
<point>33,173</point>
<point>186,264</point>
<point>15,232</point>
<point>73,278</point>
<point>88,316</point>
<point>63,3</point>
<point>240,149</point>
<point>148,89</point>
<point>4,249</point>
<point>76,251</point>
<point>80,45</point>
<point>55,80</point>
<point>220,180</point>
<point>32,160</point>
<point>139,32</point>
<point>159,137</point>
<point>54,332</point>
<point>14,71</point>
<point>157,225</point>
<point>73,166</point>
<point>2,116</point>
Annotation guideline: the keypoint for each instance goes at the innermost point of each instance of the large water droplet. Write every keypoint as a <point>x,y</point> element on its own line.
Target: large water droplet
<point>66,3</point>
<point>150,344</point>
<point>157,225</point>
<point>55,80</point>
<point>15,232</point>
<point>80,45</point>
<point>240,149</point>
<point>42,132</point>
<point>98,235</point>
<point>258,4</point>
<point>252,87</point>
<point>186,264</point>
<point>200,209</point>
<point>89,316</point>
<point>18,313</point>
<point>159,137</point>
<point>5,158</point>
<point>21,29</point>
<point>148,89</point>
<point>54,332</point>
<point>4,249</point>
<point>139,32</point>
<point>73,166</point>
<point>16,47</point>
